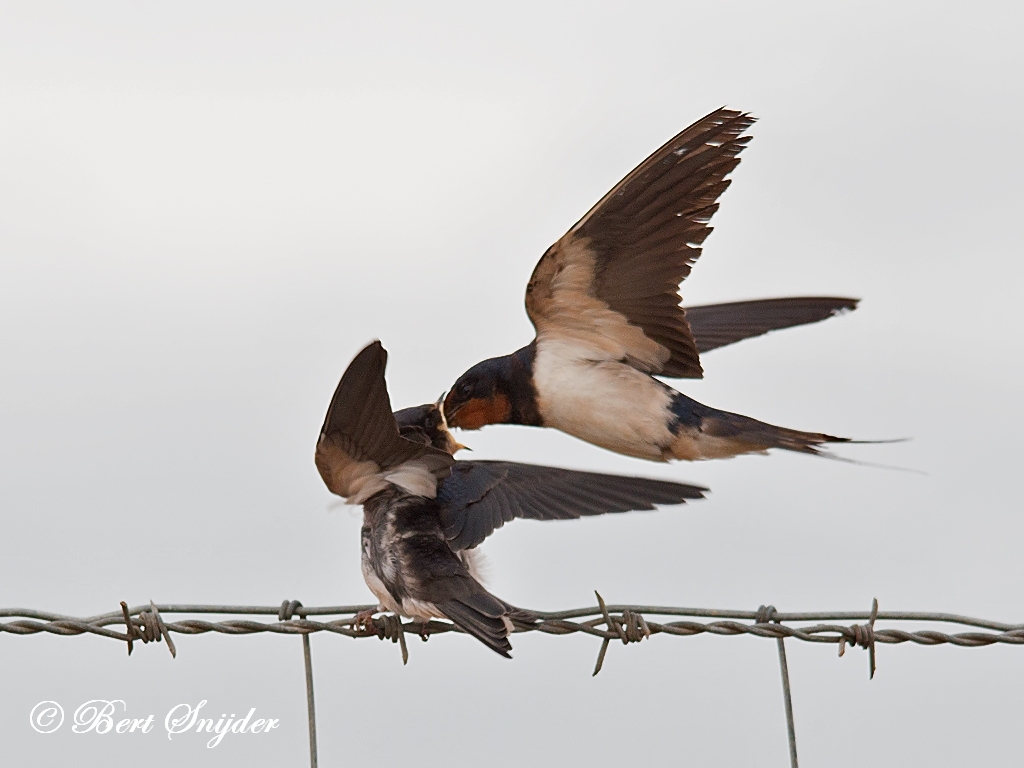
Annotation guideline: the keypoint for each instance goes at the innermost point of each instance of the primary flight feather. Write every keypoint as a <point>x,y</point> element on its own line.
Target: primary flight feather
<point>605,303</point>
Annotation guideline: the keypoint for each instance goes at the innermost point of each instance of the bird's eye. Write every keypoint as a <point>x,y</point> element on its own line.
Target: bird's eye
<point>465,389</point>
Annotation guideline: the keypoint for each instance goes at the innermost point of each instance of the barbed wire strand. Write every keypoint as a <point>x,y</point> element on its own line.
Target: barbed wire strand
<point>627,623</point>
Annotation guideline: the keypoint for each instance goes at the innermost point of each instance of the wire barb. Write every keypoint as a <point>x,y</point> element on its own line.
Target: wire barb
<point>156,629</point>
<point>390,627</point>
<point>129,627</point>
<point>630,627</point>
<point>864,636</point>
<point>148,627</point>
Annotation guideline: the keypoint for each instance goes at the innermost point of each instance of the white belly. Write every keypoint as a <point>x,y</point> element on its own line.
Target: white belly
<point>609,404</point>
<point>409,607</point>
<point>380,591</point>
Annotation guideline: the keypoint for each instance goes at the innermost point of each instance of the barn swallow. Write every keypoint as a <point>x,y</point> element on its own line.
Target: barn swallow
<point>426,424</point>
<point>424,512</point>
<point>604,301</point>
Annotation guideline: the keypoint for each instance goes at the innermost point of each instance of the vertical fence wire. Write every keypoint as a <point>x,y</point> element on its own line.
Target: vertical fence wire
<point>790,728</point>
<point>284,613</point>
<point>765,615</point>
<point>310,703</point>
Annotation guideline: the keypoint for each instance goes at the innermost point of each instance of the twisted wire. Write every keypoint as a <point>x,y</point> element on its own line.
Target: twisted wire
<point>627,623</point>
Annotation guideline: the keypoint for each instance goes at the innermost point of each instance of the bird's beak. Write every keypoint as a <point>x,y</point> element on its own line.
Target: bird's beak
<point>453,445</point>
<point>440,408</point>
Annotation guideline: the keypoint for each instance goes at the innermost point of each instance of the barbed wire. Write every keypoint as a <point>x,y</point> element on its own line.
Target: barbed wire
<point>611,622</point>
<point>626,623</point>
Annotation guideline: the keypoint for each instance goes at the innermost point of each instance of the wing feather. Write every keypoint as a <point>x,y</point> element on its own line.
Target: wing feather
<point>480,496</point>
<point>716,325</point>
<point>359,443</point>
<point>611,284</point>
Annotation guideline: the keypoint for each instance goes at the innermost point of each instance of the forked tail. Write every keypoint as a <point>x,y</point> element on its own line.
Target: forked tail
<point>702,432</point>
<point>483,616</point>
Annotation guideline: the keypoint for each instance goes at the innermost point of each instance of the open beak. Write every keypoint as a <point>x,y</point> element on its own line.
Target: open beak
<point>453,444</point>
<point>441,403</point>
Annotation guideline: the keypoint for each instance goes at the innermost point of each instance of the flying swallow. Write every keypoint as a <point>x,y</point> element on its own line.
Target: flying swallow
<point>424,512</point>
<point>604,301</point>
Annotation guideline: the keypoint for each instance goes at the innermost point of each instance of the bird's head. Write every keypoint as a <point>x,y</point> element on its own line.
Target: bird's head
<point>481,396</point>
<point>425,424</point>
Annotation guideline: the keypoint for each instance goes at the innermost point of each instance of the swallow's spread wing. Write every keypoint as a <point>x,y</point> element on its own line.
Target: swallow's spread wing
<point>481,496</point>
<point>611,283</point>
<point>716,325</point>
<point>360,448</point>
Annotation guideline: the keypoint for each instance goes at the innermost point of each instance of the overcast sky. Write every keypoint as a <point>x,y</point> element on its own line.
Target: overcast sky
<point>208,209</point>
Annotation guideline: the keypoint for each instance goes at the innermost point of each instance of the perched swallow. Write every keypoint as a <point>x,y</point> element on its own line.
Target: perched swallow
<point>604,301</point>
<point>424,512</point>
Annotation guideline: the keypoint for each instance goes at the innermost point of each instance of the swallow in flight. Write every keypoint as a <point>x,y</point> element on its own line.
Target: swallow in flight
<point>424,512</point>
<point>604,301</point>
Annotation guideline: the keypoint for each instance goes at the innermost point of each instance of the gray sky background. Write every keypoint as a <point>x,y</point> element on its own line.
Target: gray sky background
<point>207,209</point>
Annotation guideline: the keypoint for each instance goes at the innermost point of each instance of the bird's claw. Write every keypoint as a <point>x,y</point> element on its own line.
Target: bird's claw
<point>363,621</point>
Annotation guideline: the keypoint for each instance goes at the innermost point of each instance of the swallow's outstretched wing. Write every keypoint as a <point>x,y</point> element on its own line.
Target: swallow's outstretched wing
<point>716,325</point>
<point>611,283</point>
<point>481,496</point>
<point>360,449</point>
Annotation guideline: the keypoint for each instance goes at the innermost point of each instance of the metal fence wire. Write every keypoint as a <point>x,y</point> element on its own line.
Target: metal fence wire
<point>624,623</point>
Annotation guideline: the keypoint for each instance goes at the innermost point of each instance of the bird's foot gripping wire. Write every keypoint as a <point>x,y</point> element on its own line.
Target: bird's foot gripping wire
<point>363,621</point>
<point>423,629</point>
